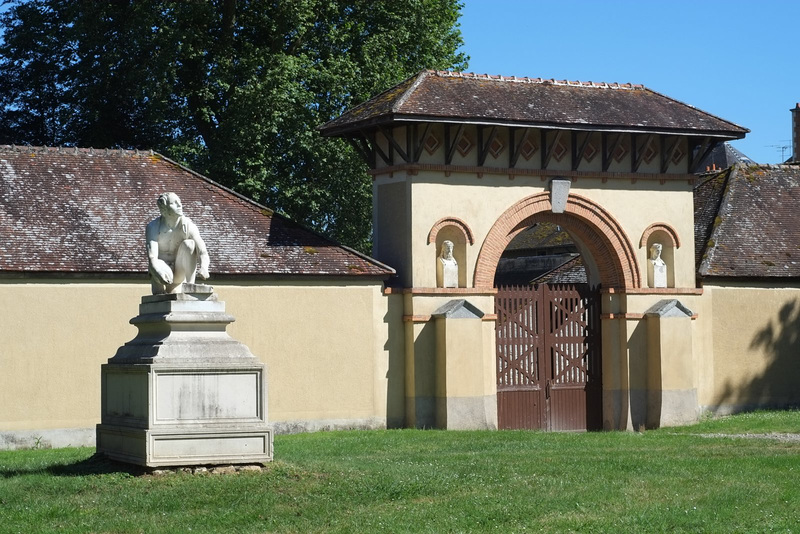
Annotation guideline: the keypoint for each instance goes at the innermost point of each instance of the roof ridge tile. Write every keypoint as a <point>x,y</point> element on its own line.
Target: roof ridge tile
<point>448,96</point>
<point>526,79</point>
<point>61,149</point>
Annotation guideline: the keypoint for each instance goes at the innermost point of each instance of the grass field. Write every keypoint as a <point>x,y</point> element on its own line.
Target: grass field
<point>670,480</point>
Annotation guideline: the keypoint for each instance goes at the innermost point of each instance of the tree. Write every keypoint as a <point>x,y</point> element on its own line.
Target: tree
<point>232,88</point>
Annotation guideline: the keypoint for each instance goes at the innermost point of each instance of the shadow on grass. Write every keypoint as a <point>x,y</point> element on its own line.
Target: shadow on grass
<point>96,464</point>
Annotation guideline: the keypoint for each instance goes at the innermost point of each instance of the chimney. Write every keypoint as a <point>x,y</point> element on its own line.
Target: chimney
<point>796,133</point>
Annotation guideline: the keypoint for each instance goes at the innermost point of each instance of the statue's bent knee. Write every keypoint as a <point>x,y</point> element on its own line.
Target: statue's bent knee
<point>188,246</point>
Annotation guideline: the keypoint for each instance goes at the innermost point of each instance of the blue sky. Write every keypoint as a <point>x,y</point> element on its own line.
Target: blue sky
<point>737,59</point>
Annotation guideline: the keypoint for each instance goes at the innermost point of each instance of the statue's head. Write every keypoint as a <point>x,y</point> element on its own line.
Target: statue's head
<point>169,204</point>
<point>655,251</point>
<point>447,250</point>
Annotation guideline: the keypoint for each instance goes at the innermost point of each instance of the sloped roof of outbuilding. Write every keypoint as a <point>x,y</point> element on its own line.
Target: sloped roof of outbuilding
<point>540,235</point>
<point>746,223</point>
<point>443,96</point>
<point>572,271</point>
<point>722,156</point>
<point>84,211</point>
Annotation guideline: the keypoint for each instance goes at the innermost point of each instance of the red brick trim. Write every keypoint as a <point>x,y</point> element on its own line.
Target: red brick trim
<point>416,318</point>
<point>451,221</point>
<point>602,235</point>
<point>656,291</point>
<point>628,316</point>
<point>483,292</point>
<point>632,316</point>
<point>425,318</point>
<point>664,227</point>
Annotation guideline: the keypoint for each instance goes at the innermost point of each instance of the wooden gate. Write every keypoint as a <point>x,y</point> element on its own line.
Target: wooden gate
<point>548,357</point>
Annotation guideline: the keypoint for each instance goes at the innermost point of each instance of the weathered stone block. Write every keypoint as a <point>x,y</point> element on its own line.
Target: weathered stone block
<point>183,392</point>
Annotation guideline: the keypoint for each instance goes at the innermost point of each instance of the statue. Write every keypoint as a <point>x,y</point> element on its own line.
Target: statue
<point>658,266</point>
<point>174,247</point>
<point>447,267</point>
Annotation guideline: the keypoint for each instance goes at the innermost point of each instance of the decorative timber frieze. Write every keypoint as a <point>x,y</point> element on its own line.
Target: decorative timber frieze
<point>512,173</point>
<point>389,148</point>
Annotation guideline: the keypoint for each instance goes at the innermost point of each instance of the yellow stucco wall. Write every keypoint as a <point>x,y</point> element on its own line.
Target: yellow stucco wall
<point>756,347</point>
<point>329,351</point>
<point>479,202</point>
<point>54,337</point>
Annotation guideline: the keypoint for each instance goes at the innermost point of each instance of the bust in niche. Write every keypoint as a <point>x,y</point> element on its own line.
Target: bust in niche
<point>447,267</point>
<point>658,266</point>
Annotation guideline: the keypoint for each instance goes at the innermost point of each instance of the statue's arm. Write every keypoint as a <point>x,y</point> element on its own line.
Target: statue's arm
<point>202,251</point>
<point>157,267</point>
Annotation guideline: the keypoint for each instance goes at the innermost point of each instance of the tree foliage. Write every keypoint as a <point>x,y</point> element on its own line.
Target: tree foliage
<point>233,88</point>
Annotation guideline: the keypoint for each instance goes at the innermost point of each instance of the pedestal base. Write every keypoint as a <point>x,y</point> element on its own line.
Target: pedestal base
<point>183,392</point>
<point>175,447</point>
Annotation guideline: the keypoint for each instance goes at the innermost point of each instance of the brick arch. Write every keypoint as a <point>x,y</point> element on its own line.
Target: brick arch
<point>451,221</point>
<point>602,235</point>
<point>664,227</point>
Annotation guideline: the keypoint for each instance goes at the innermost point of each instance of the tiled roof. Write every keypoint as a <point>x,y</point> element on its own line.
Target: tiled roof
<point>84,211</point>
<point>746,222</point>
<point>441,96</point>
<point>722,156</point>
<point>540,235</point>
<point>708,193</point>
<point>571,271</point>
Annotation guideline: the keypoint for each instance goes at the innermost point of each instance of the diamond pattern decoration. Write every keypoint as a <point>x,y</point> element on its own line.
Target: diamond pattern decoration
<point>464,145</point>
<point>678,154</point>
<point>589,152</point>
<point>620,152</point>
<point>650,152</point>
<point>431,143</point>
<point>496,148</point>
<point>528,148</point>
<point>559,151</point>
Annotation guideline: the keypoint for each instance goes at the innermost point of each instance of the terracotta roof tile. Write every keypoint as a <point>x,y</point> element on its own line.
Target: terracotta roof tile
<point>540,235</point>
<point>82,210</point>
<point>442,96</point>
<point>708,193</point>
<point>754,231</point>
<point>572,271</point>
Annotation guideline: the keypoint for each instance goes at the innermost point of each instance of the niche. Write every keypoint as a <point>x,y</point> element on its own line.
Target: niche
<point>455,235</point>
<point>661,242</point>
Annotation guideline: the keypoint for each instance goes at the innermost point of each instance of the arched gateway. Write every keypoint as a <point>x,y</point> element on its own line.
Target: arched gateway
<point>601,236</point>
<point>462,163</point>
<point>548,336</point>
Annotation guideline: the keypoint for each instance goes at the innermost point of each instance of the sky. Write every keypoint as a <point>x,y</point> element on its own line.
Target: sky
<point>736,59</point>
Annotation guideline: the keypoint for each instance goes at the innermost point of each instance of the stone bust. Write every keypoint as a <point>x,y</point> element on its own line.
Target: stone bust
<point>658,266</point>
<point>447,267</point>
<point>655,253</point>
<point>174,248</point>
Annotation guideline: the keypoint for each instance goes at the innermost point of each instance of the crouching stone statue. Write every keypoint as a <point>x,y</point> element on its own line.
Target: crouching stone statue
<point>174,248</point>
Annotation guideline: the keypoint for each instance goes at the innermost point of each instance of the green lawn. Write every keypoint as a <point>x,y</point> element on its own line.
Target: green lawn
<point>671,480</point>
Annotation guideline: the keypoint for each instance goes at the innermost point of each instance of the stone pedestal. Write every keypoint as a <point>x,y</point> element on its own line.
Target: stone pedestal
<point>183,392</point>
<point>446,273</point>
<point>657,273</point>
<point>466,383</point>
<point>672,390</point>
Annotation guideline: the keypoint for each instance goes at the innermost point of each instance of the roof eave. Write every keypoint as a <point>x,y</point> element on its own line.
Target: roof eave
<point>352,129</point>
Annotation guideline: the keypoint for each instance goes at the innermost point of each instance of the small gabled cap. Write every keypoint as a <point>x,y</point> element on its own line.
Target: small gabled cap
<point>458,309</point>
<point>669,308</point>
